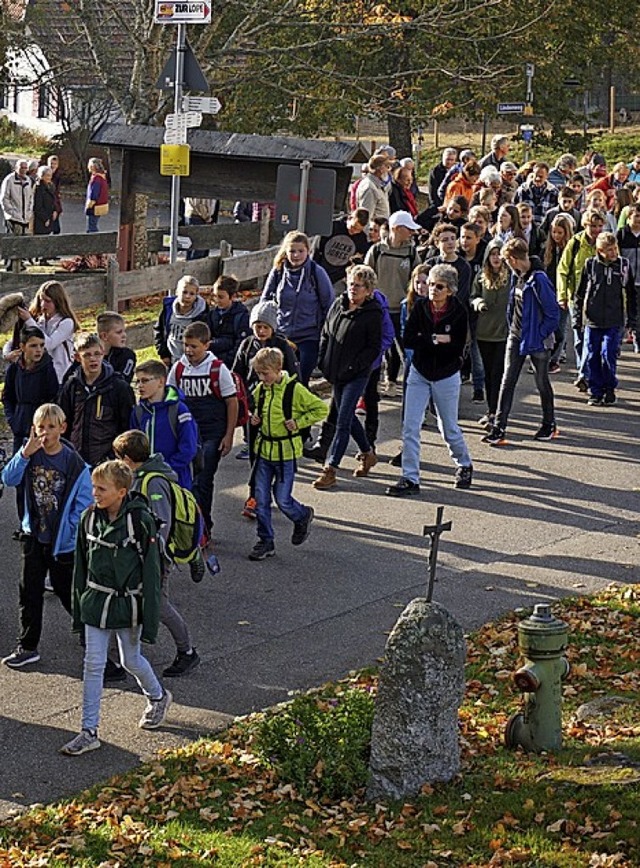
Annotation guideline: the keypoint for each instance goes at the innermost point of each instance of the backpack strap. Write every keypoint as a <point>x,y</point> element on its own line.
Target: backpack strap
<point>179,371</point>
<point>214,377</point>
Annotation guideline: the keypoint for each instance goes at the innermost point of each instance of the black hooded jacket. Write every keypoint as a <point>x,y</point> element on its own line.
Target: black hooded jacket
<point>351,340</point>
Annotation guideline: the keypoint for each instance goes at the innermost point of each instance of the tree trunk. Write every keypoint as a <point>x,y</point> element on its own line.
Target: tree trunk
<point>399,128</point>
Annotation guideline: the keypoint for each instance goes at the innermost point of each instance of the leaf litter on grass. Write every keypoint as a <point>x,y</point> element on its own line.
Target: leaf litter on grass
<point>214,802</point>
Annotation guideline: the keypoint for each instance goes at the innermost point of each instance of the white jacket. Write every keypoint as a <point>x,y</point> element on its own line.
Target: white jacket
<point>16,194</point>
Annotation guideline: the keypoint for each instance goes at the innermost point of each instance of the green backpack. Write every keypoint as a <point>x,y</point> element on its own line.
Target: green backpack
<point>187,525</point>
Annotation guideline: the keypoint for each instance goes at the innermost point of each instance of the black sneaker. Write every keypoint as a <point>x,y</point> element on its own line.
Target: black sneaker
<point>609,397</point>
<point>495,437</point>
<point>547,431</point>
<point>581,384</point>
<point>182,664</point>
<point>196,568</point>
<point>403,488</point>
<point>396,461</point>
<point>315,451</point>
<point>595,401</point>
<point>264,548</point>
<point>113,672</point>
<point>301,528</point>
<point>464,476</point>
<point>478,396</point>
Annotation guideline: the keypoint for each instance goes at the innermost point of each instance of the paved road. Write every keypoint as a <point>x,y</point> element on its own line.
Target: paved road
<point>541,520</point>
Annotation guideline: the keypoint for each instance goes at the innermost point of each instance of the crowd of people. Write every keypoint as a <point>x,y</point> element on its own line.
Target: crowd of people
<point>113,488</point>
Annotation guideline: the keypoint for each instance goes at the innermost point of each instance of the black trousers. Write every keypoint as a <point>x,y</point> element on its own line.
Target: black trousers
<point>37,561</point>
<point>492,353</point>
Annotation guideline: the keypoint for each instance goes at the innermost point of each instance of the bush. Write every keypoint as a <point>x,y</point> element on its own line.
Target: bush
<point>319,745</point>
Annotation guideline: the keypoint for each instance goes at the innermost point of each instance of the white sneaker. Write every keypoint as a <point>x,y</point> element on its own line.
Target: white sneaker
<point>156,711</point>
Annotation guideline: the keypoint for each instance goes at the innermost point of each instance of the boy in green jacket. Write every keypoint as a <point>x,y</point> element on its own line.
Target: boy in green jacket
<point>116,588</point>
<point>283,407</point>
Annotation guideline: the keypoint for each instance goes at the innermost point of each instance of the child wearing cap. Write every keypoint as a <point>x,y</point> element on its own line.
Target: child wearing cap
<point>263,320</point>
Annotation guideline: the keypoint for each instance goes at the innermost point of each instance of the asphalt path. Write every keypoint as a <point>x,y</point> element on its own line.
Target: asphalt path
<point>541,520</point>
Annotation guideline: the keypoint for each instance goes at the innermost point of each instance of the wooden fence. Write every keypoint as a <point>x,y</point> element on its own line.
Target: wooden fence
<point>112,286</point>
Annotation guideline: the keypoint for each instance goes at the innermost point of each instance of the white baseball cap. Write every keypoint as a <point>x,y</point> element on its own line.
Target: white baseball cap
<point>403,218</point>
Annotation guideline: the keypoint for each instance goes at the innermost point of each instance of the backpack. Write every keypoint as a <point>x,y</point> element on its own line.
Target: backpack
<point>187,525</point>
<point>244,412</point>
<point>197,465</point>
<point>287,402</point>
<point>377,253</point>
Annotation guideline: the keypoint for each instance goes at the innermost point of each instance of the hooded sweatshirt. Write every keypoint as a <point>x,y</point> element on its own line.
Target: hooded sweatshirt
<point>170,326</point>
<point>303,295</point>
<point>490,300</point>
<point>26,389</point>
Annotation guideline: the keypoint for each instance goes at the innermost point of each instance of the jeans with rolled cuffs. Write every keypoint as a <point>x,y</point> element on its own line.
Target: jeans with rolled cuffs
<point>95,658</point>
<point>346,396</point>
<point>513,363</point>
<point>446,398</point>
<point>283,472</point>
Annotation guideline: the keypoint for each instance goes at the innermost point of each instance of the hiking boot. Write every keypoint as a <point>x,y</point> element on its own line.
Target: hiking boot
<point>495,437</point>
<point>396,461</point>
<point>249,508</point>
<point>301,528</point>
<point>403,488</point>
<point>595,401</point>
<point>327,478</point>
<point>464,476</point>
<point>85,741</point>
<point>581,384</point>
<point>196,568</point>
<point>477,397</point>
<point>20,657</point>
<point>366,460</point>
<point>113,672</point>
<point>547,431</point>
<point>156,711</point>
<point>264,548</point>
<point>182,664</point>
<point>609,397</point>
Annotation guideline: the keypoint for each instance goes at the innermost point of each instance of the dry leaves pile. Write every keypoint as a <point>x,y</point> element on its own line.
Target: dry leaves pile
<point>502,811</point>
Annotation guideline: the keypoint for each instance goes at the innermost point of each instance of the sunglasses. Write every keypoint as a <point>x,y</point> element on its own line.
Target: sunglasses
<point>438,286</point>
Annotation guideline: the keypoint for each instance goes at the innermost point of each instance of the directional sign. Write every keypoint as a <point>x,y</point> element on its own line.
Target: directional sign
<point>174,159</point>
<point>193,119</point>
<point>184,242</point>
<point>173,12</point>
<point>176,129</point>
<point>175,137</point>
<point>514,108</point>
<point>208,105</point>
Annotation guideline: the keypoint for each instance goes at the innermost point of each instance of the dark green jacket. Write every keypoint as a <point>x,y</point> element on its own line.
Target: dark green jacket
<point>115,586</point>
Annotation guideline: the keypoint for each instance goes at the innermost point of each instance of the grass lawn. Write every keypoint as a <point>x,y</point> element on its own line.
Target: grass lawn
<point>217,802</point>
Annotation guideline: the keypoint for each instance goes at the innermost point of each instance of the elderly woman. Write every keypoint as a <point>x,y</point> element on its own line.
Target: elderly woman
<point>350,343</point>
<point>436,331</point>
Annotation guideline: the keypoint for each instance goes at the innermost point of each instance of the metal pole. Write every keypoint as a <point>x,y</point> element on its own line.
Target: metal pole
<point>305,166</point>
<point>612,108</point>
<point>177,108</point>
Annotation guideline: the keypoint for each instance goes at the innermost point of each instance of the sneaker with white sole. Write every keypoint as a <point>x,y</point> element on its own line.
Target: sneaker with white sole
<point>156,711</point>
<point>85,741</point>
<point>20,657</point>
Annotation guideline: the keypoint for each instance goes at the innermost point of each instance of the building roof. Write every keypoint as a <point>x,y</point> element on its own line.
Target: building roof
<point>238,146</point>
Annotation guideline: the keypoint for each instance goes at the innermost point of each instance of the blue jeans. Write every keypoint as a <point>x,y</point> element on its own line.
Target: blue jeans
<point>513,363</point>
<point>308,357</point>
<point>446,396</point>
<point>95,658</point>
<point>203,483</point>
<point>284,475</point>
<point>346,397</point>
<point>92,223</point>
<point>601,359</point>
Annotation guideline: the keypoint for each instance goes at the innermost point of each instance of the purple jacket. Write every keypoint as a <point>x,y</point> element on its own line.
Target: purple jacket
<point>303,297</point>
<point>388,332</point>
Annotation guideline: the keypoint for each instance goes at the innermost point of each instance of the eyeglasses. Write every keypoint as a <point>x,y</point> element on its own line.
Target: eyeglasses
<point>439,286</point>
<point>142,381</point>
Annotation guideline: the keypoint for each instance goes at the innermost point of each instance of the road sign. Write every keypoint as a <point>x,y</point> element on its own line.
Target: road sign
<point>193,77</point>
<point>176,129</point>
<point>175,137</point>
<point>529,69</point>
<point>208,105</point>
<point>510,108</point>
<point>173,12</point>
<point>174,159</point>
<point>194,119</point>
<point>184,242</point>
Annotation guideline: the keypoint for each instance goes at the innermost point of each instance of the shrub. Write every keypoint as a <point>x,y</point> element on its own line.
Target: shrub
<point>319,745</point>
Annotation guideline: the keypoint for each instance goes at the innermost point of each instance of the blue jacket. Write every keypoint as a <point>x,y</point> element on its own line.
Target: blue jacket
<point>172,431</point>
<point>388,331</point>
<point>303,296</point>
<point>228,329</point>
<point>540,311</point>
<point>77,497</point>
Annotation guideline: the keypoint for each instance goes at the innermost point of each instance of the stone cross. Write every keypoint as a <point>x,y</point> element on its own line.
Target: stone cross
<point>434,531</point>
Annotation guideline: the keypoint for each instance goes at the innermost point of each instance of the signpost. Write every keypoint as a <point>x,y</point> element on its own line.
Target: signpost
<point>208,105</point>
<point>511,108</point>
<point>174,12</point>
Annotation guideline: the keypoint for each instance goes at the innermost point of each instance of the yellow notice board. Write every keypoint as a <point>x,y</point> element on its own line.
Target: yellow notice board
<point>174,159</point>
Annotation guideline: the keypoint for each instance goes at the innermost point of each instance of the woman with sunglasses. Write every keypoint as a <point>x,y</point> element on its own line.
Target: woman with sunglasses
<point>436,331</point>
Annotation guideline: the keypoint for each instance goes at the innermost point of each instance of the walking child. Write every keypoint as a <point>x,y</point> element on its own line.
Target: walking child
<point>57,488</point>
<point>283,406</point>
<point>116,589</point>
<point>112,332</point>
<point>179,311</point>
<point>228,319</point>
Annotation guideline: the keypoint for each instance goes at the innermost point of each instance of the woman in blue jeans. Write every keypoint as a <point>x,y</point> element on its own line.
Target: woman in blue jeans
<point>437,332</point>
<point>350,343</point>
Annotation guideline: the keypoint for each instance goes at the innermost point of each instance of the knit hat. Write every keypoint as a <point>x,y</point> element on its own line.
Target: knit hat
<point>266,312</point>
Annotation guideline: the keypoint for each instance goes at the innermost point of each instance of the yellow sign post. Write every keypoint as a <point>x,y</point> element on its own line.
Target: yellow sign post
<point>174,159</point>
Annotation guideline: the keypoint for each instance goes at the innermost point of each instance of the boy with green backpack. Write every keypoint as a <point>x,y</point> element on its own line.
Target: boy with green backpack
<point>181,528</point>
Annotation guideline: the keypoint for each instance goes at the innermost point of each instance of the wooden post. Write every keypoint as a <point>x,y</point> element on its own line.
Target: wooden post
<point>113,269</point>
<point>436,133</point>
<point>612,108</point>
